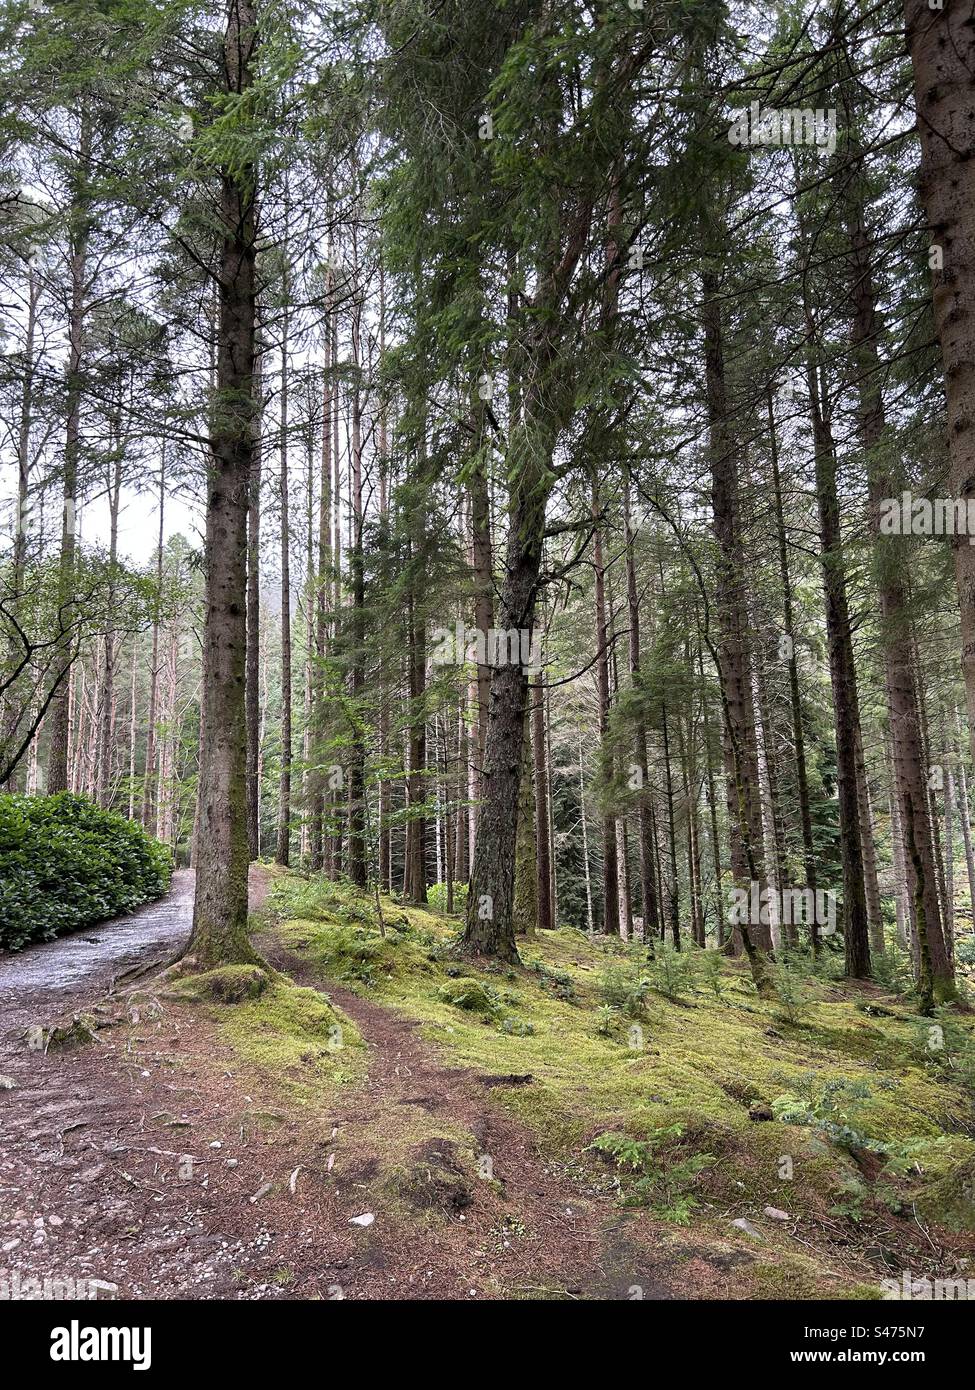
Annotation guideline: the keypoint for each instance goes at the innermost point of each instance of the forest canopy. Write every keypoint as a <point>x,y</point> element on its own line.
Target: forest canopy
<point>516,453</point>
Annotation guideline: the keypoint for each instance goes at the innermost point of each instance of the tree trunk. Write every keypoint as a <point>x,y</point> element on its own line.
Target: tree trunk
<point>148,778</point>
<point>871,886</point>
<point>482,564</point>
<point>357,759</point>
<point>966,822</point>
<point>219,933</point>
<point>282,853</point>
<point>941,43</point>
<point>795,702</point>
<point>106,697</point>
<point>648,879</point>
<point>902,693</point>
<point>526,880</point>
<point>846,708</point>
<point>489,926</point>
<point>611,911</point>
<point>733,660</point>
<point>9,721</point>
<point>416,826</point>
<point>253,661</point>
<point>59,715</point>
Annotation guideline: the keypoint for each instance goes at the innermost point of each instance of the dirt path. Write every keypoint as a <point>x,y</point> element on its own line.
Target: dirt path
<point>146,1162</point>
<point>90,962</point>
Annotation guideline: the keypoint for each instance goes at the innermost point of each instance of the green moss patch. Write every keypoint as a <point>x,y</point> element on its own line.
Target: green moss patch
<point>230,984</point>
<point>864,1124</point>
<point>295,1040</point>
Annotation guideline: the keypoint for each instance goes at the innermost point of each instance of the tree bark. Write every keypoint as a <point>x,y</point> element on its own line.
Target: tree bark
<point>846,707</point>
<point>59,714</point>
<point>282,853</point>
<point>526,880</point>
<point>611,910</point>
<point>357,760</point>
<point>542,828</point>
<point>253,660</point>
<point>219,934</point>
<point>148,778</point>
<point>648,878</point>
<point>941,44</point>
<point>795,702</point>
<point>733,659</point>
<point>901,691</point>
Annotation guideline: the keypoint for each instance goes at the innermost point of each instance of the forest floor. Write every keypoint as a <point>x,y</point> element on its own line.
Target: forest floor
<point>380,1124</point>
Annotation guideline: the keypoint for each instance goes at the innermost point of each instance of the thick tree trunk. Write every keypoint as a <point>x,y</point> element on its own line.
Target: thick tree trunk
<point>219,933</point>
<point>941,43</point>
<point>543,867</point>
<point>489,927</point>
<point>901,690</point>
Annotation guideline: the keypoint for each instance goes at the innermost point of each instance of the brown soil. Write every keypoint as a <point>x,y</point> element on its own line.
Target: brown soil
<point>147,1161</point>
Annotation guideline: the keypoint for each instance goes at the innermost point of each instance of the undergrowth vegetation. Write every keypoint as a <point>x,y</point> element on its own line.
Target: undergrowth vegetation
<point>699,1093</point>
<point>67,864</point>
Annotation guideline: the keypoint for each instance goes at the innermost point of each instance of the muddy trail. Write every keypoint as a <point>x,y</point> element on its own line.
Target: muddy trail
<point>146,1160</point>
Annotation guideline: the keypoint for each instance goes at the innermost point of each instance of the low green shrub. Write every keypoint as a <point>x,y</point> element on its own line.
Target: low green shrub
<point>65,864</point>
<point>655,1179</point>
<point>673,970</point>
<point>625,989</point>
<point>437,897</point>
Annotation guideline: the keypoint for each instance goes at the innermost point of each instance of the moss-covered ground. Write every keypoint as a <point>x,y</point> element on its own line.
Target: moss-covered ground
<point>668,1086</point>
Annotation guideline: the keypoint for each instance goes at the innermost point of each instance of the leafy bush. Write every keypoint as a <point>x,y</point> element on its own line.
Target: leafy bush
<point>66,864</point>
